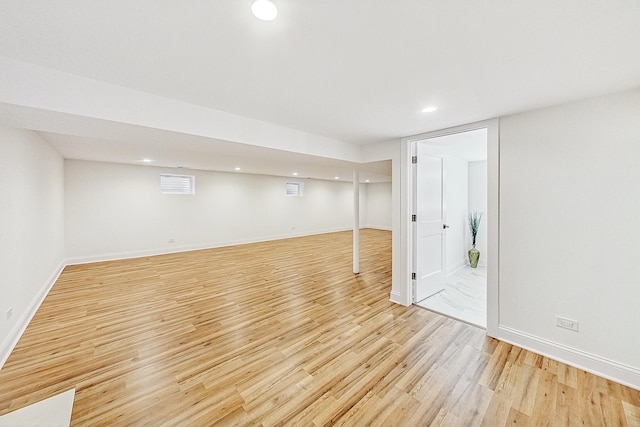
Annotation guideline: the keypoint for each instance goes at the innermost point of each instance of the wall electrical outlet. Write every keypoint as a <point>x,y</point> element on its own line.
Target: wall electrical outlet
<point>9,313</point>
<point>562,322</point>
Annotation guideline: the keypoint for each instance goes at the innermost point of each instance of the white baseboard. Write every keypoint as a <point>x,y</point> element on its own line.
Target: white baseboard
<point>397,298</point>
<point>10,341</point>
<point>187,248</point>
<point>459,266</point>
<point>378,227</point>
<point>618,372</point>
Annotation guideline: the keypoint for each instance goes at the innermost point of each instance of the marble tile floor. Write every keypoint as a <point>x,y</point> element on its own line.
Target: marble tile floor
<point>464,297</point>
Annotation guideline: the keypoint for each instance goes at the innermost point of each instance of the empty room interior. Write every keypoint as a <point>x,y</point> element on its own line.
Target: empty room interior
<point>254,212</point>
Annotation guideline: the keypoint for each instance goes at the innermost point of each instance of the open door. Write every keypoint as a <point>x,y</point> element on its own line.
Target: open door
<point>430,224</point>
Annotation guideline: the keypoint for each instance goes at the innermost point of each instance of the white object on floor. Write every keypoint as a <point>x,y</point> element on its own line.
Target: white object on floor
<point>464,297</point>
<point>52,412</point>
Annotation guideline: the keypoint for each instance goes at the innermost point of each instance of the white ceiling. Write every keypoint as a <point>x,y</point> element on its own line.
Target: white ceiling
<point>357,71</point>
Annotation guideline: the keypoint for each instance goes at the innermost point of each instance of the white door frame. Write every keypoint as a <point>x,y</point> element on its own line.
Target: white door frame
<point>492,215</point>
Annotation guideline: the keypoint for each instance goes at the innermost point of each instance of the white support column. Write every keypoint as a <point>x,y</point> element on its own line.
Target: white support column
<point>356,221</point>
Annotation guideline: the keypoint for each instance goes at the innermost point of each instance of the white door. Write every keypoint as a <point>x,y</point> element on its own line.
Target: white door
<point>430,225</point>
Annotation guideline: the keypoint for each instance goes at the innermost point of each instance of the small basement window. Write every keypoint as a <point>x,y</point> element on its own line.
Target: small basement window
<point>294,188</point>
<point>177,184</point>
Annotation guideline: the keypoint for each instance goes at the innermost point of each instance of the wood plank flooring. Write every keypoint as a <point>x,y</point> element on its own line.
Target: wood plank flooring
<point>282,333</point>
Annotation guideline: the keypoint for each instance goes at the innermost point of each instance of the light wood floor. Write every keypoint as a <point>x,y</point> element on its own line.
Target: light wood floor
<point>283,333</point>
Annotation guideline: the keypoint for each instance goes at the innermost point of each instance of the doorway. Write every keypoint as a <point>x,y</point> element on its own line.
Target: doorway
<point>451,183</point>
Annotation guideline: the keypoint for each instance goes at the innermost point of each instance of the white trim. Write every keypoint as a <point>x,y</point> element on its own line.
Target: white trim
<point>187,248</point>
<point>398,235</point>
<point>397,298</point>
<point>377,227</point>
<point>456,268</point>
<point>493,209</point>
<point>408,229</point>
<point>10,341</point>
<point>607,368</point>
<point>493,227</point>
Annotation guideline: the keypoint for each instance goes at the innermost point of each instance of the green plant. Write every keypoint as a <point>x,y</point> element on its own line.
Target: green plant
<point>474,224</point>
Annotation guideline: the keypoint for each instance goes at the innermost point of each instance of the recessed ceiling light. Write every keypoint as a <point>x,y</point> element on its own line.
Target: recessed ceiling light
<point>237,168</point>
<point>295,174</point>
<point>429,109</point>
<point>336,177</point>
<point>264,10</point>
<point>366,180</point>
<point>146,160</point>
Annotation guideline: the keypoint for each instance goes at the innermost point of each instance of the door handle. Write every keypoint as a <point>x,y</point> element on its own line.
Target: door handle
<point>445,226</point>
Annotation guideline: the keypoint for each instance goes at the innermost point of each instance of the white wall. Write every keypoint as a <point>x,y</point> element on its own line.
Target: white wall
<point>478,202</point>
<point>376,207</point>
<point>31,228</point>
<point>115,210</point>
<point>456,202</point>
<point>570,231</point>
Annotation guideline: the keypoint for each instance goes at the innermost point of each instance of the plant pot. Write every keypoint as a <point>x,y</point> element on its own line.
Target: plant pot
<point>474,256</point>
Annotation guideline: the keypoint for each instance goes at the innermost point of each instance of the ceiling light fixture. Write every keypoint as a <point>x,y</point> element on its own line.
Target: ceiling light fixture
<point>237,168</point>
<point>336,177</point>
<point>295,174</point>
<point>264,10</point>
<point>146,160</point>
<point>429,109</point>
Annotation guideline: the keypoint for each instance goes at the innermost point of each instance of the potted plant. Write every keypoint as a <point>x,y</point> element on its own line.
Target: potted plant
<point>474,224</point>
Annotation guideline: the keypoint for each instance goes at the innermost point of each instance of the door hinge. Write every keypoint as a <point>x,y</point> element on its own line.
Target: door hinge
<point>414,159</point>
<point>413,276</point>
<point>414,218</point>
